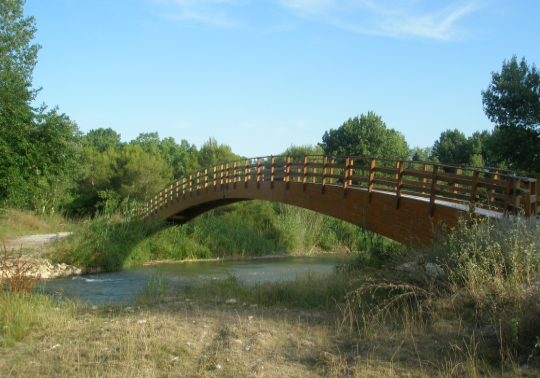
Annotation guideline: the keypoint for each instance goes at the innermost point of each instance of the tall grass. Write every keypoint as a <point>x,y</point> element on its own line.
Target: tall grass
<point>256,228</point>
<point>14,223</point>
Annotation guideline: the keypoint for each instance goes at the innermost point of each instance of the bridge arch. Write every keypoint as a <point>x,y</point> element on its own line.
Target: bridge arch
<point>406,201</point>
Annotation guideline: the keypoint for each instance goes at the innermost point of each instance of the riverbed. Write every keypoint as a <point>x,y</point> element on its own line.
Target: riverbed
<point>122,287</point>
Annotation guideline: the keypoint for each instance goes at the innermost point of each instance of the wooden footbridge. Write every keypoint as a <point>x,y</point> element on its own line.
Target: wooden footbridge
<point>407,201</point>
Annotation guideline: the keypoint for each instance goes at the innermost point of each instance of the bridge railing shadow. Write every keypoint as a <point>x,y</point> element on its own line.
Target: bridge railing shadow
<point>497,190</point>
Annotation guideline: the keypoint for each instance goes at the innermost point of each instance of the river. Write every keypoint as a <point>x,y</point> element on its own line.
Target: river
<point>123,286</point>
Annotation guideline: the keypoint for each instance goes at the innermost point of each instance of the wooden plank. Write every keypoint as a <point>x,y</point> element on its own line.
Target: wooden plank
<point>424,178</point>
<point>388,170</point>
<point>433,191</point>
<point>331,171</point>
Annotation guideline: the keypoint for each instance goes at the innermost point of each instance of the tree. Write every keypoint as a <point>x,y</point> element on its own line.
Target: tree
<point>452,148</point>
<point>365,136</point>
<point>212,153</point>
<point>102,139</point>
<point>39,150</point>
<point>141,174</point>
<point>512,102</point>
<point>305,149</point>
<point>182,158</point>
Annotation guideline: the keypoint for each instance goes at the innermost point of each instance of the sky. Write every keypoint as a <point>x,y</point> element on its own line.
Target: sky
<point>260,75</point>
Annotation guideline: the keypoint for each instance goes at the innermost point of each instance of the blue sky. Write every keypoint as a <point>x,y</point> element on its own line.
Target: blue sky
<point>260,75</point>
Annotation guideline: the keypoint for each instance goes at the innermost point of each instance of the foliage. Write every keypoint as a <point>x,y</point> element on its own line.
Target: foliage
<point>365,136</point>
<point>304,149</point>
<point>512,98</point>
<point>102,139</point>
<point>212,153</point>
<point>512,102</point>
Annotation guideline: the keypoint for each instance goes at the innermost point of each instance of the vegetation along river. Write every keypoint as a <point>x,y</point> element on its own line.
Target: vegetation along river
<point>123,286</point>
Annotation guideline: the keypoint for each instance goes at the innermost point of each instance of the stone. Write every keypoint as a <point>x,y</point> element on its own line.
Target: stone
<point>231,301</point>
<point>410,267</point>
<point>174,360</point>
<point>434,271</point>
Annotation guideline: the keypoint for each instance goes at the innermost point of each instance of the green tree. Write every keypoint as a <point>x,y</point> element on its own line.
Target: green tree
<point>365,136</point>
<point>39,150</point>
<point>102,139</point>
<point>149,142</point>
<point>212,153</point>
<point>304,149</point>
<point>512,102</point>
<point>452,148</point>
<point>182,158</point>
<point>141,174</point>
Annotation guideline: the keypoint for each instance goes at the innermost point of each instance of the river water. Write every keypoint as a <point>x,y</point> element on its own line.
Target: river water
<point>122,287</point>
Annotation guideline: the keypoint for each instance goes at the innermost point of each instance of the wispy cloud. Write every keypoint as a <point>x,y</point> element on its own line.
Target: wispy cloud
<point>393,18</point>
<point>211,12</point>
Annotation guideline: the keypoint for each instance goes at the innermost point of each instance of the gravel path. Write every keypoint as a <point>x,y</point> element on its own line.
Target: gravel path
<point>34,241</point>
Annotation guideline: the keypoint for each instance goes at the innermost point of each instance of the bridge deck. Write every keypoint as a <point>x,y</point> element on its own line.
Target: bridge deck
<point>405,201</point>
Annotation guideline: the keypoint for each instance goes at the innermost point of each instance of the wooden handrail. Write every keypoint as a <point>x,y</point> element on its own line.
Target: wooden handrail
<point>500,190</point>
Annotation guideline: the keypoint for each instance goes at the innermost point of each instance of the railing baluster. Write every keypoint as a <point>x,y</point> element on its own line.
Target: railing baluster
<point>246,174</point>
<point>258,173</point>
<point>433,190</point>
<point>332,171</point>
<point>288,172</point>
<point>474,187</point>
<point>272,172</point>
<point>304,174</point>
<point>325,163</point>
<point>371,177</point>
<point>455,185</point>
<point>401,167</point>
<point>346,177</point>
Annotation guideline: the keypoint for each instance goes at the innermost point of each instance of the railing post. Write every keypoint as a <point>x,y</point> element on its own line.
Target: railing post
<point>371,178</point>
<point>325,163</point>
<point>177,191</point>
<point>228,176</point>
<point>455,185</point>
<point>272,172</point>
<point>288,172</point>
<point>401,167</point>
<point>221,177</point>
<point>156,205</point>
<point>151,206</point>
<point>527,197</point>
<point>304,174</point>
<point>214,181</point>
<point>495,177</point>
<point>508,197</point>
<point>246,174</point>
<point>206,180</point>
<point>351,171</point>
<point>424,180</point>
<point>331,172</point>
<point>198,182</point>
<point>346,176</point>
<point>433,190</point>
<point>171,195</point>
<point>314,171</point>
<point>396,176</point>
<point>183,188</point>
<point>191,185</point>
<point>234,175</point>
<point>161,200</point>
<point>258,173</point>
<point>474,188</point>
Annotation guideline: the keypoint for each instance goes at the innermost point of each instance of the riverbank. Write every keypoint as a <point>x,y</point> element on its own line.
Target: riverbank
<point>228,329</point>
<point>110,242</point>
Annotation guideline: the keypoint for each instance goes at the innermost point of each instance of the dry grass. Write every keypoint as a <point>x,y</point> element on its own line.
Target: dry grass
<point>14,223</point>
<point>179,337</point>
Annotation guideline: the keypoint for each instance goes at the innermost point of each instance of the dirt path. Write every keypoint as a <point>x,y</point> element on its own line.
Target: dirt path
<point>34,241</point>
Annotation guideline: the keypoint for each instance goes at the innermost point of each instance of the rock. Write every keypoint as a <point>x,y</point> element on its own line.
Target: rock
<point>231,301</point>
<point>410,267</point>
<point>142,321</point>
<point>434,270</point>
<point>174,360</point>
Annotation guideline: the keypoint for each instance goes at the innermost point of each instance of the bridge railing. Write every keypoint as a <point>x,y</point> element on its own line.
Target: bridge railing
<point>490,188</point>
